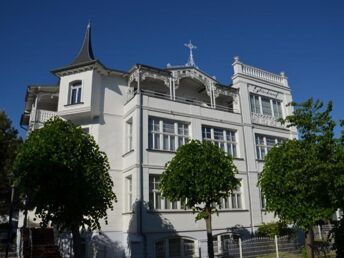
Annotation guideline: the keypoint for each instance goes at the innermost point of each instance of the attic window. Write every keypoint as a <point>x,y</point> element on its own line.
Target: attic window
<point>75,92</point>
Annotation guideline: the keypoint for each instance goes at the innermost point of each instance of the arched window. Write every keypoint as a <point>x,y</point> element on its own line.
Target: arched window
<point>175,247</point>
<point>75,90</point>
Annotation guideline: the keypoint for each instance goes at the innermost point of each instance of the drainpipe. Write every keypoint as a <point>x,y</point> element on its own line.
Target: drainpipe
<point>141,208</point>
<point>247,170</point>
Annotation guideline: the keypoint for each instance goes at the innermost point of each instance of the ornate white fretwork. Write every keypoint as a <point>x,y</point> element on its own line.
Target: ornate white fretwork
<point>265,120</point>
<point>155,76</point>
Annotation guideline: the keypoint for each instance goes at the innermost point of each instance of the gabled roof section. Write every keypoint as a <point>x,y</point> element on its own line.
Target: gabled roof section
<point>86,53</point>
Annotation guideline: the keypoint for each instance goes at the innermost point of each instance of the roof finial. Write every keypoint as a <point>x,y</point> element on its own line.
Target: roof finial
<point>85,53</point>
<point>191,61</point>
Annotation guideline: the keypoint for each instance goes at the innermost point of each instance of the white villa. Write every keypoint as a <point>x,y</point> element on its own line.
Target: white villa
<point>140,117</point>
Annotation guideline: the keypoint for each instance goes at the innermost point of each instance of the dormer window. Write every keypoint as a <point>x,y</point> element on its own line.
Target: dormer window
<point>75,93</point>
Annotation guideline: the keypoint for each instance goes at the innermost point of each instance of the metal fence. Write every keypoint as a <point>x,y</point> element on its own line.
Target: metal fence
<point>261,247</point>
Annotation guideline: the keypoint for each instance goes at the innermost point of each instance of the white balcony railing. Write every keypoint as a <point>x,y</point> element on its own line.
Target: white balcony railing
<point>44,115</point>
<point>183,100</point>
<point>261,74</point>
<point>265,120</point>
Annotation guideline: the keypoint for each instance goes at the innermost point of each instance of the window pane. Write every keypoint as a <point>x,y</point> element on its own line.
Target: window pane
<point>79,95</point>
<point>73,97</point>
<point>266,106</point>
<point>189,247</point>
<point>206,133</point>
<point>156,141</point>
<point>218,134</point>
<point>277,109</point>
<point>255,108</point>
<point>159,249</point>
<point>174,247</point>
<point>168,126</point>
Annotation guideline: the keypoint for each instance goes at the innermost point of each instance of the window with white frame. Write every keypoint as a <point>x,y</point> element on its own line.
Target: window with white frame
<point>264,143</point>
<point>75,90</point>
<point>175,247</point>
<point>129,135</point>
<point>234,201</point>
<point>156,202</point>
<point>266,106</point>
<point>168,135</point>
<point>223,138</point>
<point>129,193</point>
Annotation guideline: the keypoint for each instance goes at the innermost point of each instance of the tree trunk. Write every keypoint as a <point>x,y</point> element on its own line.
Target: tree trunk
<point>209,233</point>
<point>310,242</point>
<point>76,242</point>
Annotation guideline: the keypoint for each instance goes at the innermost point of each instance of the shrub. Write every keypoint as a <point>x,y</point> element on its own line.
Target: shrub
<point>274,228</point>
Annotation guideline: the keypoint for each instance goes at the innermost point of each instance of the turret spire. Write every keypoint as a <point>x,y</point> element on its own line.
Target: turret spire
<point>85,53</point>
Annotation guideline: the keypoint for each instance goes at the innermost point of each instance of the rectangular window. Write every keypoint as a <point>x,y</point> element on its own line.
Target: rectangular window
<point>234,200</point>
<point>266,106</point>
<point>129,135</point>
<point>167,134</point>
<point>156,202</point>
<point>223,138</point>
<point>264,144</point>
<point>129,191</point>
<point>75,93</point>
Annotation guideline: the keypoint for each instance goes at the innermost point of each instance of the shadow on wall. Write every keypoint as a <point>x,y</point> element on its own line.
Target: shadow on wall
<point>152,222</point>
<point>240,231</point>
<point>103,247</point>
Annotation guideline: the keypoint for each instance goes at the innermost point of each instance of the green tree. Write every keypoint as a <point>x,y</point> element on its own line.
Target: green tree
<point>65,178</point>
<point>298,175</point>
<point>9,143</point>
<point>202,174</point>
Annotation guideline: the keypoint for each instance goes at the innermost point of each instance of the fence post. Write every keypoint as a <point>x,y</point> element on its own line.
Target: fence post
<point>320,233</point>
<point>240,248</point>
<point>276,244</point>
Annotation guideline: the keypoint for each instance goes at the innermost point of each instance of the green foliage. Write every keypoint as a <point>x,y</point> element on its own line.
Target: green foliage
<point>298,175</point>
<point>64,176</point>
<point>200,173</point>
<point>274,228</point>
<point>9,143</point>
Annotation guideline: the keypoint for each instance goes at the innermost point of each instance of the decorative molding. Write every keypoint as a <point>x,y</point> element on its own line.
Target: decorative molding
<point>263,91</point>
<point>155,76</point>
<point>265,120</point>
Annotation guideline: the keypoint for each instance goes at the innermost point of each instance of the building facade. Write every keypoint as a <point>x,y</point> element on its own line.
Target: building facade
<point>140,117</point>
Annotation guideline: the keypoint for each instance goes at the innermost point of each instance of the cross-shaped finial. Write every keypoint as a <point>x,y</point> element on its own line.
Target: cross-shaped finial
<point>191,61</point>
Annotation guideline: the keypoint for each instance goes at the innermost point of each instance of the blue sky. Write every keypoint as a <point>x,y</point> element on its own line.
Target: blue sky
<point>303,38</point>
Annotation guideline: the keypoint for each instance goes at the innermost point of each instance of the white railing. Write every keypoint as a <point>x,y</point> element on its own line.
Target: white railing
<point>183,100</point>
<point>265,120</point>
<point>44,115</point>
<point>261,74</point>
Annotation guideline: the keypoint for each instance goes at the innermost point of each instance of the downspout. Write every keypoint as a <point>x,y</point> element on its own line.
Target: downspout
<point>247,170</point>
<point>141,209</point>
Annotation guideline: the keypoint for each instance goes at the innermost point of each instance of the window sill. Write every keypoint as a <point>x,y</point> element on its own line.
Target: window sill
<point>170,211</point>
<point>74,104</point>
<point>232,210</point>
<point>236,158</point>
<point>127,153</point>
<point>164,151</point>
<point>260,160</point>
<point>128,213</point>
<point>191,211</point>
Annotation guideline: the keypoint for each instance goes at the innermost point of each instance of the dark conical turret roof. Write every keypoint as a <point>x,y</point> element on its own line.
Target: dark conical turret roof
<point>85,53</point>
